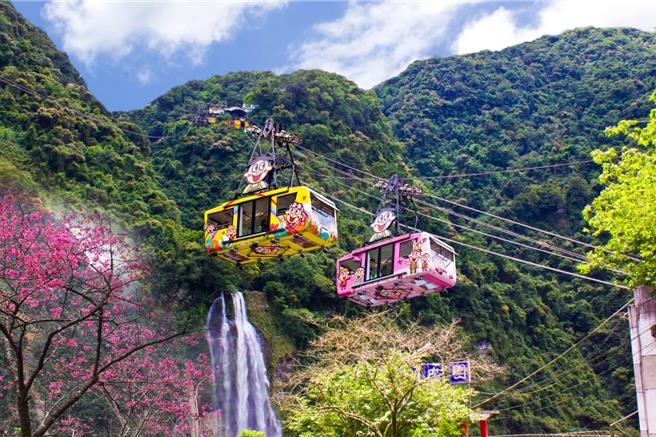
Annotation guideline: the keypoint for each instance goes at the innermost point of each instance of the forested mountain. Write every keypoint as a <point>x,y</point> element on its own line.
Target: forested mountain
<point>538,103</point>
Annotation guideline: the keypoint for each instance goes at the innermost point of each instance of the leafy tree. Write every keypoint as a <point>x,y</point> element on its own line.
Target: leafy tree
<point>624,211</point>
<point>73,325</point>
<point>363,379</point>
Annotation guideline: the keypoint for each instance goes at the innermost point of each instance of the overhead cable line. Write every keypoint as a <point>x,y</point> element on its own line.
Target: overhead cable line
<point>498,217</point>
<point>564,253</point>
<point>568,257</point>
<point>562,354</point>
<point>509,170</point>
<point>491,252</point>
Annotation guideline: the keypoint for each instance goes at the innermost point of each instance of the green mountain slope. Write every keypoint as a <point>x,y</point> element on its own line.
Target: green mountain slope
<point>533,104</point>
<point>55,137</point>
<point>538,103</point>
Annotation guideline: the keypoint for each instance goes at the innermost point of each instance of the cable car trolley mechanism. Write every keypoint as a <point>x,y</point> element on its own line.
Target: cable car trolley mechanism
<point>395,266</point>
<point>274,215</point>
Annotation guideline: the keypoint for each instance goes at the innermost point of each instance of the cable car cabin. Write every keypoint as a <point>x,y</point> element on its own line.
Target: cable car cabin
<point>272,224</point>
<point>396,268</point>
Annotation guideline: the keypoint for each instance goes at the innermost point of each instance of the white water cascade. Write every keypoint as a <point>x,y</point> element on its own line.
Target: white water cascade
<point>241,385</point>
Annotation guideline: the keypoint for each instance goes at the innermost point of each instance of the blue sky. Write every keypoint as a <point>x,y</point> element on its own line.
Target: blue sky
<point>131,52</point>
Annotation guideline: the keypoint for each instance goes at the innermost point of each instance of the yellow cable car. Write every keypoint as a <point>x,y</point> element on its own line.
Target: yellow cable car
<point>271,224</point>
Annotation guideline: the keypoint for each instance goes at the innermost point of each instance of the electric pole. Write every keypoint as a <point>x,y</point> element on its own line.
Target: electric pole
<point>642,322</point>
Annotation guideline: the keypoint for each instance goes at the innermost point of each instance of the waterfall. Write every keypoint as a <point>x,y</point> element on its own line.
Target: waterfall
<point>241,386</point>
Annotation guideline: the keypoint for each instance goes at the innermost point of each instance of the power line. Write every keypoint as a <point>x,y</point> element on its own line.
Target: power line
<point>553,234</point>
<point>535,372</point>
<point>491,252</point>
<point>578,260</point>
<point>510,170</point>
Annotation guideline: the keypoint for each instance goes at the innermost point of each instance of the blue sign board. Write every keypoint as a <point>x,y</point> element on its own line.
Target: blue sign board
<point>433,370</point>
<point>459,372</point>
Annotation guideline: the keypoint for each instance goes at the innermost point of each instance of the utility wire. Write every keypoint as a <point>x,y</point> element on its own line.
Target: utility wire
<point>535,372</point>
<point>491,252</point>
<point>510,170</point>
<point>553,234</point>
<point>578,260</point>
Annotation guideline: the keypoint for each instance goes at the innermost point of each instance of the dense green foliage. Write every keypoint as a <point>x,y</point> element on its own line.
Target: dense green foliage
<point>55,134</point>
<point>538,103</point>
<point>625,208</point>
<point>382,399</point>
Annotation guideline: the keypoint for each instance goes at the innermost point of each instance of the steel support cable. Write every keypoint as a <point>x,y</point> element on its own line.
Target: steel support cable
<point>553,234</point>
<point>498,217</point>
<point>596,359</point>
<point>556,374</point>
<point>485,224</point>
<point>590,361</point>
<point>510,170</point>
<point>566,254</point>
<point>491,252</point>
<point>546,398</point>
<point>89,116</point>
<point>455,224</point>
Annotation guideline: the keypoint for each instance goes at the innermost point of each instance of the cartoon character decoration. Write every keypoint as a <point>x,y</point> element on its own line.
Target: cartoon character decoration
<point>424,262</point>
<point>267,250</point>
<point>295,218</point>
<point>392,293</point>
<point>359,275</point>
<point>258,170</point>
<point>416,256</point>
<point>230,234</point>
<point>343,276</point>
<point>381,224</point>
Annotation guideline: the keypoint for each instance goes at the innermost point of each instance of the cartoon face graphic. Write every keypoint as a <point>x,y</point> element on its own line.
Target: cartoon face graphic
<point>391,293</point>
<point>231,232</point>
<point>343,276</point>
<point>258,170</point>
<point>383,220</point>
<point>424,261</point>
<point>267,250</point>
<point>210,228</point>
<point>295,217</point>
<point>359,275</point>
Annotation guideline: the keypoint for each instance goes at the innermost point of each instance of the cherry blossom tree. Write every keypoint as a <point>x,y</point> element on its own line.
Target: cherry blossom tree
<point>75,325</point>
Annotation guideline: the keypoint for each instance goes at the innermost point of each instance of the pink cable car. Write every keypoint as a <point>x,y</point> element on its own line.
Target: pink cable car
<point>393,268</point>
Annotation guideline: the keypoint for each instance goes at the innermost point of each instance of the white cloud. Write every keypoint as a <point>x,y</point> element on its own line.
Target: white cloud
<point>500,29</point>
<point>374,41</point>
<point>144,75</point>
<point>93,27</point>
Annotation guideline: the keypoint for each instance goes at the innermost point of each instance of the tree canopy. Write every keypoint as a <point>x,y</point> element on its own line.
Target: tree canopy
<point>624,212</point>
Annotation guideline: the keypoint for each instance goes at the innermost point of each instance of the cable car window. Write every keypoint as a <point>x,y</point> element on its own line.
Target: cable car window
<point>386,260</point>
<point>221,219</point>
<point>322,208</point>
<point>254,217</point>
<point>284,202</point>
<point>380,262</point>
<point>246,218</point>
<point>350,264</point>
<point>262,215</point>
<point>372,264</point>
<point>442,251</point>
<point>324,213</point>
<point>405,249</point>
